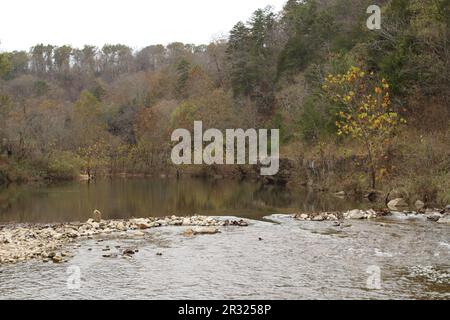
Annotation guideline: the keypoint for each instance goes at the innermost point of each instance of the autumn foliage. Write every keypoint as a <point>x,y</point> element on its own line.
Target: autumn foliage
<point>365,113</point>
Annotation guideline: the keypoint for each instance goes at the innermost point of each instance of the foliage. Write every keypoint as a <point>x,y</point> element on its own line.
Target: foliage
<point>63,166</point>
<point>366,113</point>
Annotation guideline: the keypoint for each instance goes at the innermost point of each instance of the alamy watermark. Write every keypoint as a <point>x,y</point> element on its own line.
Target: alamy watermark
<point>374,21</point>
<point>374,279</point>
<point>74,278</point>
<point>236,147</point>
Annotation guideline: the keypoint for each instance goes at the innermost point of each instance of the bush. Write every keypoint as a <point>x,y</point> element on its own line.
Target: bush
<point>63,166</point>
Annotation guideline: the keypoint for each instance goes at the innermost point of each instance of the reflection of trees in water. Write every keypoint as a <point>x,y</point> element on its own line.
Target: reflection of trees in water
<point>124,198</point>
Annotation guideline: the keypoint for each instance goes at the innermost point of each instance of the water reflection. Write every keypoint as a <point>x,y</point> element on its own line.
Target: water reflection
<point>125,198</point>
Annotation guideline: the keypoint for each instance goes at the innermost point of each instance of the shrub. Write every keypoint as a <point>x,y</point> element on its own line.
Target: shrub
<point>63,166</point>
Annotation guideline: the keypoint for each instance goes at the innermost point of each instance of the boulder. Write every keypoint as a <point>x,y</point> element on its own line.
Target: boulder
<point>397,204</point>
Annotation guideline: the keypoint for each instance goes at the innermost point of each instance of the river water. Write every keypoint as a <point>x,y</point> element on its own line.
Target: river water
<point>276,257</point>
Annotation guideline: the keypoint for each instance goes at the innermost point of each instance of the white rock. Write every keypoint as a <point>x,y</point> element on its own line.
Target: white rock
<point>332,217</point>
<point>356,215</point>
<point>319,218</point>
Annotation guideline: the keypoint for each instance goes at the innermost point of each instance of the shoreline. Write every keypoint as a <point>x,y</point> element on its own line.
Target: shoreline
<point>47,241</point>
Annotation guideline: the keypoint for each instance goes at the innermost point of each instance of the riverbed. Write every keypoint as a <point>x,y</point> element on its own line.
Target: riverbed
<point>275,257</point>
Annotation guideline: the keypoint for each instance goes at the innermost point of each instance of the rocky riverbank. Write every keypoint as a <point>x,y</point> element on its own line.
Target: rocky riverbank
<point>49,242</point>
<point>434,215</point>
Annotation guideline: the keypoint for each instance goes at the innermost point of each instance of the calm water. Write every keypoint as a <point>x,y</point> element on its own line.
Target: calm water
<point>125,198</point>
<point>294,260</point>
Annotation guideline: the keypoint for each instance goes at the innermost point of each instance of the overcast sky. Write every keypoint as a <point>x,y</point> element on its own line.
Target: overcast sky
<point>137,23</point>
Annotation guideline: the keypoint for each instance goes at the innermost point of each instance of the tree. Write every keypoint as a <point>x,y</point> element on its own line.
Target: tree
<point>366,114</point>
<point>89,131</point>
<point>5,65</point>
<point>252,54</point>
<point>19,63</point>
<point>62,58</point>
<point>183,69</point>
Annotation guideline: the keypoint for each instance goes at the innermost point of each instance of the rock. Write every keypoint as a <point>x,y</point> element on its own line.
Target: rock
<point>447,209</point>
<point>319,217</point>
<point>95,225</point>
<point>433,216</point>
<point>240,223</point>
<point>332,217</point>
<point>57,236</point>
<point>107,255</point>
<point>121,226</point>
<point>205,230</point>
<point>97,216</point>
<point>356,215</point>
<point>419,205</point>
<point>371,214</point>
<point>187,222</point>
<point>161,223</point>
<point>128,252</point>
<point>57,258</point>
<point>142,224</point>
<point>444,220</point>
<point>397,204</point>
<point>301,217</point>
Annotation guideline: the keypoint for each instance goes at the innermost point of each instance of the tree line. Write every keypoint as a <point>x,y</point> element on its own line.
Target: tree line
<point>66,109</point>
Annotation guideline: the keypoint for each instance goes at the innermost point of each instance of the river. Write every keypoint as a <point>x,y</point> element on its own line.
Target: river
<point>276,257</point>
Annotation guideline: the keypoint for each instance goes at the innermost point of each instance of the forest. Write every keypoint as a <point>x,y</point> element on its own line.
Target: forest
<point>357,109</point>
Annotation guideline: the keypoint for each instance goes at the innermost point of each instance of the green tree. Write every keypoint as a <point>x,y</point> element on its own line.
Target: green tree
<point>5,65</point>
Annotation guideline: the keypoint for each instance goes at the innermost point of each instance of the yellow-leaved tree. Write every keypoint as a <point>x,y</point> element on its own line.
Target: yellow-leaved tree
<point>365,113</point>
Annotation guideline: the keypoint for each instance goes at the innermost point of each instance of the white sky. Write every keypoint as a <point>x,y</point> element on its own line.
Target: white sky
<point>137,23</point>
